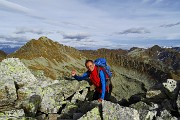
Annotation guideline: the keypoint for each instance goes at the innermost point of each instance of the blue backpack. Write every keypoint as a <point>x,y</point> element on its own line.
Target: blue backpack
<point>101,62</point>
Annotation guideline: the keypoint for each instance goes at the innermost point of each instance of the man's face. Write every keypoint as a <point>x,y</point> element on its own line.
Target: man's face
<point>90,66</point>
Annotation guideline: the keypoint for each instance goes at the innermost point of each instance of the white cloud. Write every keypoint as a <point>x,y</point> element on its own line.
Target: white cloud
<point>10,6</point>
<point>135,31</point>
<point>170,25</point>
<point>24,30</point>
<point>77,37</point>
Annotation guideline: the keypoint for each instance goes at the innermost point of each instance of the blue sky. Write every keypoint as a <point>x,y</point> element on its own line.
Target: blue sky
<point>92,24</point>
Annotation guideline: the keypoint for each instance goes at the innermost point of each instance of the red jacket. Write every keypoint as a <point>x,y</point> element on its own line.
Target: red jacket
<point>95,79</point>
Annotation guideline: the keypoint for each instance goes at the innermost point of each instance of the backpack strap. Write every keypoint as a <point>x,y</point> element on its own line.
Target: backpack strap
<point>98,69</point>
<point>108,80</point>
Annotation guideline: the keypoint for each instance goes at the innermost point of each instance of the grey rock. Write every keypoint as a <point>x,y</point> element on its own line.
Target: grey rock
<point>51,98</point>
<point>12,69</point>
<point>171,88</point>
<point>141,105</point>
<point>29,98</point>
<point>7,92</point>
<point>165,115</point>
<point>69,87</point>
<point>12,114</point>
<point>115,111</point>
<point>14,74</point>
<point>51,95</point>
<point>32,105</point>
<point>150,115</point>
<point>83,84</point>
<point>52,116</point>
<point>146,112</point>
<point>54,95</point>
<point>178,102</point>
<point>155,96</point>
<point>94,114</point>
<point>170,85</point>
<point>79,96</point>
<point>25,93</point>
<point>68,111</point>
<point>153,93</point>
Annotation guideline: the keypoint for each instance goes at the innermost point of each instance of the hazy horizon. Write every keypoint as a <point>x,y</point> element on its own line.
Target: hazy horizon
<point>124,46</point>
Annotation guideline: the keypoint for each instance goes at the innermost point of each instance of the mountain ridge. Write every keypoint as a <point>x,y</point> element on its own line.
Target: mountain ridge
<point>46,55</point>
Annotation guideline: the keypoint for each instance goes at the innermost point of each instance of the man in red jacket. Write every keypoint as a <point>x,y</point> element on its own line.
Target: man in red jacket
<point>102,92</point>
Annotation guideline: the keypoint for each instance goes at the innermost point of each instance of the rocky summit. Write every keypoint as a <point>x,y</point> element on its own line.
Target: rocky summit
<point>36,83</point>
<point>50,57</point>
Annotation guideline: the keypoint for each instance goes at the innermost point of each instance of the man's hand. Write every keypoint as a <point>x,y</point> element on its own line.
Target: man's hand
<point>100,100</point>
<point>73,73</point>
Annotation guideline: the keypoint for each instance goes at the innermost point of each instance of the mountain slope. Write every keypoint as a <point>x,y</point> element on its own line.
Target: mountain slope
<point>155,61</point>
<point>2,55</point>
<point>50,57</point>
<point>165,59</point>
<point>139,69</point>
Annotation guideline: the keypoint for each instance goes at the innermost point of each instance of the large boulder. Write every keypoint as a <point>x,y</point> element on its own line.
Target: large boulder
<point>117,112</point>
<point>13,75</point>
<point>46,97</point>
<point>171,88</point>
<point>51,97</point>
<point>12,69</point>
<point>7,92</point>
<point>32,105</point>
<point>94,114</point>
<point>107,111</point>
<point>146,111</point>
<point>166,90</point>
<point>170,85</point>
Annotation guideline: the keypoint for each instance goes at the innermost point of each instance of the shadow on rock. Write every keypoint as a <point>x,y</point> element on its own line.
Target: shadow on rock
<point>32,106</point>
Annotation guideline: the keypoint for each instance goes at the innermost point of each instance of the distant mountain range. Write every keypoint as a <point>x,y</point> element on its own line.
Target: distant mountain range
<point>8,49</point>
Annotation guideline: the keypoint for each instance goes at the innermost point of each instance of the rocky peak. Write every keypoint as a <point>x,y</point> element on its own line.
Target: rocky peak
<point>47,48</point>
<point>155,48</point>
<point>133,48</point>
<point>50,57</point>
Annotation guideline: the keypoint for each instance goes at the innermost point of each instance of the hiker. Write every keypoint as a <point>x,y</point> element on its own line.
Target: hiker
<point>102,90</point>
